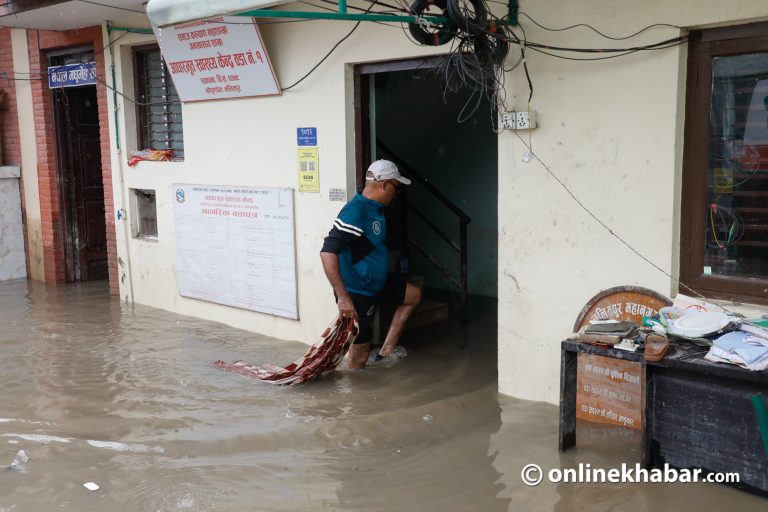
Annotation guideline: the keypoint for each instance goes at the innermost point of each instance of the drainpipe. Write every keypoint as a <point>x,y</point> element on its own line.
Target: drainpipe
<point>114,84</point>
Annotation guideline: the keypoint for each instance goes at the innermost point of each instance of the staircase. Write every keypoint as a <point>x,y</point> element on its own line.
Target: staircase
<point>433,310</point>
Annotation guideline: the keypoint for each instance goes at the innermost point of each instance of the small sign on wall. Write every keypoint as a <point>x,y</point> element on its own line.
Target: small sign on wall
<point>610,391</point>
<point>337,194</point>
<point>72,75</point>
<point>306,136</point>
<point>309,170</point>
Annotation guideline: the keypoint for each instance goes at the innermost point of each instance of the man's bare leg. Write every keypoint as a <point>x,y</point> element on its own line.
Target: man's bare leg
<point>358,355</point>
<point>402,314</point>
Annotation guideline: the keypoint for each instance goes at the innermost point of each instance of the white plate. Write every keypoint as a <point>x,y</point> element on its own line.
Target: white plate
<point>694,325</point>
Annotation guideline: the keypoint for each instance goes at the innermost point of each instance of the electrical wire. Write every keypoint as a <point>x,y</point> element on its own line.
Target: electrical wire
<point>382,4</point>
<point>604,225</point>
<point>479,49</point>
<point>652,46</point>
<point>386,24</point>
<point>54,68</point>
<point>349,6</point>
<point>523,47</point>
<point>590,27</point>
<point>734,233</point>
<point>399,9</point>
<point>586,58</point>
<point>614,38</point>
<point>109,87</point>
<point>297,82</point>
<point>606,57</point>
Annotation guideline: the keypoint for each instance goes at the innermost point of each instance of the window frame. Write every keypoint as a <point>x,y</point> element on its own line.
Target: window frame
<point>139,207</point>
<point>704,46</point>
<point>141,117</point>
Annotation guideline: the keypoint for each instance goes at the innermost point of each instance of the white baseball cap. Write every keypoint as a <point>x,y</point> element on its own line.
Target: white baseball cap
<point>381,170</point>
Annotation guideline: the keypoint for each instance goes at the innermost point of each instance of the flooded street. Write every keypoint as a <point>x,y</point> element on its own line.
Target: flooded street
<point>126,397</point>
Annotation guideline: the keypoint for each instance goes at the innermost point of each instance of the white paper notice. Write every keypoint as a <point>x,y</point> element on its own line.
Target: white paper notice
<point>236,246</point>
<point>221,57</point>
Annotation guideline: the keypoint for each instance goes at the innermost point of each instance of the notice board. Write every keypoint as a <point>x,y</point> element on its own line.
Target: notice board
<point>236,246</point>
<point>610,390</point>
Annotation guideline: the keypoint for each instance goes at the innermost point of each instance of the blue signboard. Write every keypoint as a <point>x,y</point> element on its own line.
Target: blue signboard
<point>72,75</point>
<point>306,136</point>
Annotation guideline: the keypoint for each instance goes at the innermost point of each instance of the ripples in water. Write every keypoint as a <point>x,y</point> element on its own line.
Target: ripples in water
<point>126,397</point>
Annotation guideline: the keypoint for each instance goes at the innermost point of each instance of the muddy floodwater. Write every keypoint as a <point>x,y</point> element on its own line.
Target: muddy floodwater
<point>125,397</point>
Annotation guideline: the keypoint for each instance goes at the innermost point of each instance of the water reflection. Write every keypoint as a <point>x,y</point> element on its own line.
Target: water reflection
<point>529,435</point>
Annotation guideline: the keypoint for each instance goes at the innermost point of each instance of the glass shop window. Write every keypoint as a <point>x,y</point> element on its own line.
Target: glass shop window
<point>724,238</point>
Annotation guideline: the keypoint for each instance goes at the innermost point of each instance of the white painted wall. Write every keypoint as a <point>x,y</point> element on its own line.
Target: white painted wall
<point>611,130</point>
<point>253,142</point>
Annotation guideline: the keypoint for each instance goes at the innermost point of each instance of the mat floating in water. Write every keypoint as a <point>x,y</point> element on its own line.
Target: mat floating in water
<point>323,356</point>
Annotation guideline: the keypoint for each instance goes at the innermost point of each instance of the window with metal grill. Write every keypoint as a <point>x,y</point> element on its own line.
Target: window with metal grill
<point>158,112</point>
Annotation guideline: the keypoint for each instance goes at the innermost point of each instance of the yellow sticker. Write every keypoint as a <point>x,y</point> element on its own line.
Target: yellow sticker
<point>723,180</point>
<point>309,170</point>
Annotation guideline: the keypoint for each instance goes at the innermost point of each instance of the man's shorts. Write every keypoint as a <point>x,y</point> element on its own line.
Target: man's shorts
<point>393,294</point>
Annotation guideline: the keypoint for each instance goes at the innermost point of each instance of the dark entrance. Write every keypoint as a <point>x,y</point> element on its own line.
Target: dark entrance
<point>78,146</point>
<point>442,229</point>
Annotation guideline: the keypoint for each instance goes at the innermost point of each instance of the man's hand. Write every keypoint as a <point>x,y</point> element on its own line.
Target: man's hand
<point>346,307</point>
<point>344,301</point>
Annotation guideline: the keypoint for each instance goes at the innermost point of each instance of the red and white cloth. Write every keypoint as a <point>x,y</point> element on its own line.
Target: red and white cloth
<point>322,357</point>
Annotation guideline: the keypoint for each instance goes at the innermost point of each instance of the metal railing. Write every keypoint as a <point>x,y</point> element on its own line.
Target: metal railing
<point>461,246</point>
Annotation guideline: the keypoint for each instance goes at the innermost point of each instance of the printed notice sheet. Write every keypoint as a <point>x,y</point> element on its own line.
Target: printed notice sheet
<point>236,246</point>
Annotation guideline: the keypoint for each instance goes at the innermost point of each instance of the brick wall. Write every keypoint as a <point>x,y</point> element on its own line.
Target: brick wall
<point>9,123</point>
<point>40,42</point>
<point>9,117</point>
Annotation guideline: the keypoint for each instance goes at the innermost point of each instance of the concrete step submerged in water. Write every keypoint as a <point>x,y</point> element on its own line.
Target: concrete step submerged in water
<point>430,311</point>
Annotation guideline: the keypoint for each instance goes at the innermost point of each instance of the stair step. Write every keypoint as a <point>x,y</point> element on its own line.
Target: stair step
<point>417,280</point>
<point>430,311</point>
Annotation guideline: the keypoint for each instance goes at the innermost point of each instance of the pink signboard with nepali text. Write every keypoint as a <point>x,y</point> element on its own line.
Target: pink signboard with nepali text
<point>215,58</point>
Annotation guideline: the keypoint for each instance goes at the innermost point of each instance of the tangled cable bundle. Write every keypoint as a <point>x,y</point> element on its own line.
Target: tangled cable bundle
<point>480,46</point>
<point>426,33</point>
<point>468,22</point>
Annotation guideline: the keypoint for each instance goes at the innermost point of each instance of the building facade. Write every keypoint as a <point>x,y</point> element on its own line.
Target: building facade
<point>603,192</point>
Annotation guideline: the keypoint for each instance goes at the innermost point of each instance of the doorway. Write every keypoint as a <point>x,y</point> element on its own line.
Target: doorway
<point>78,155</point>
<point>443,229</point>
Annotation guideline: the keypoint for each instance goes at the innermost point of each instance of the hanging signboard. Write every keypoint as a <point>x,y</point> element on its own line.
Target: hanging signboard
<point>215,58</point>
<point>236,246</point>
<point>72,75</point>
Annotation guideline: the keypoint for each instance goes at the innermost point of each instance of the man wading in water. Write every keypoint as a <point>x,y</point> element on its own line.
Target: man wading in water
<point>355,261</point>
